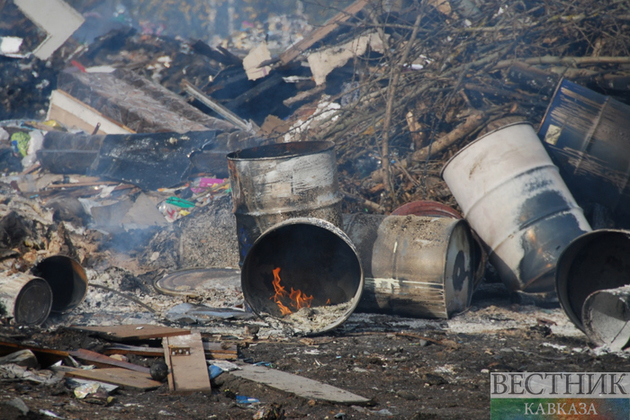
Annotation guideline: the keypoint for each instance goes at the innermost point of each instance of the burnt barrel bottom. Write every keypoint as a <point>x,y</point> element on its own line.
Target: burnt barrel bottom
<point>606,317</point>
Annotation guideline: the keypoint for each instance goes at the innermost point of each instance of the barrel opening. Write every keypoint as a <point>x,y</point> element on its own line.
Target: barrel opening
<point>297,265</point>
<point>596,261</point>
<point>282,150</point>
<point>67,280</point>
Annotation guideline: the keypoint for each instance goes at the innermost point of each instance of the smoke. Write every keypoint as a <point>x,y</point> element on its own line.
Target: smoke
<point>208,20</point>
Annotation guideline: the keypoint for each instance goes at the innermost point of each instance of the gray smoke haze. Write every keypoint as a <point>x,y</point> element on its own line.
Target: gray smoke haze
<point>207,20</point>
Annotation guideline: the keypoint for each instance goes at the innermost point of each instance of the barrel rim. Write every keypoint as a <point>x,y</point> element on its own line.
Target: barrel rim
<point>323,224</point>
<point>430,208</point>
<point>561,83</point>
<point>477,140</point>
<point>564,263</point>
<point>318,146</point>
<point>34,281</point>
<point>79,281</point>
<point>465,227</point>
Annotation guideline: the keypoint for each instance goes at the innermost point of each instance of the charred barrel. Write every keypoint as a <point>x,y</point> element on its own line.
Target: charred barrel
<point>587,135</point>
<point>281,181</point>
<point>606,317</point>
<point>597,260</point>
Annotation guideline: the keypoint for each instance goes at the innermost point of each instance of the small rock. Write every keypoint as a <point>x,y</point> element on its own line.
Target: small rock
<point>159,371</point>
<point>433,379</point>
<point>19,404</point>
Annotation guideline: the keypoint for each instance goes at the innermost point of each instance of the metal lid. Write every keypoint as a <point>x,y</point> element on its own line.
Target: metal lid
<point>33,303</point>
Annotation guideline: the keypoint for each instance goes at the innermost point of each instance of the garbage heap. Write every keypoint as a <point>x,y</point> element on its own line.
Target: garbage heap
<point>502,112</point>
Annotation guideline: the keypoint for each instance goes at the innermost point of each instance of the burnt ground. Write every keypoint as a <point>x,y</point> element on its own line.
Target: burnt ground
<point>409,368</point>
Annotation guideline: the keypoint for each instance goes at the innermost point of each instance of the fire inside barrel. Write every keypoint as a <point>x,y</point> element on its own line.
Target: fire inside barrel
<point>298,299</point>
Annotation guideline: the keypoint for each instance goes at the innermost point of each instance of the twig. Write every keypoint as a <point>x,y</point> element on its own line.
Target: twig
<point>462,130</point>
<point>404,171</point>
<point>192,90</point>
<point>367,203</point>
<point>564,60</point>
<point>389,187</point>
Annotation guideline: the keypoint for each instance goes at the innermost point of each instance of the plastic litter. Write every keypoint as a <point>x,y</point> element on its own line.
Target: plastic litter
<point>241,399</point>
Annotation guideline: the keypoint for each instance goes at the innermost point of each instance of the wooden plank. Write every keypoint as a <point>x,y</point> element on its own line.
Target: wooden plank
<point>117,376</point>
<point>221,351</point>
<point>211,350</point>
<point>137,350</point>
<point>134,332</point>
<point>71,112</point>
<point>186,361</point>
<point>269,83</point>
<point>45,357</point>
<point>192,90</point>
<point>81,184</point>
<point>100,360</point>
<point>298,385</point>
<point>319,33</point>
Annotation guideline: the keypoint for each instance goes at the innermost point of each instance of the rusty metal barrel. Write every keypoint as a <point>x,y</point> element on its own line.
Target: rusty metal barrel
<point>304,273</point>
<point>515,199</point>
<point>277,182</point>
<point>25,298</point>
<point>67,279</point>
<point>587,136</point>
<point>414,266</point>
<point>594,261</point>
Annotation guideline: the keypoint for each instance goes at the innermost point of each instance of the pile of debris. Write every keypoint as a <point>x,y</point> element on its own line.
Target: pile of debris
<point>416,113</point>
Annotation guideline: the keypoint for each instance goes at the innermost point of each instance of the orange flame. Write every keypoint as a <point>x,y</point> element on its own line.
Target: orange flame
<point>298,298</point>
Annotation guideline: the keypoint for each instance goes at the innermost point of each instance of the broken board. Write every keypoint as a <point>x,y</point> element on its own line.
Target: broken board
<point>319,33</point>
<point>101,360</point>
<point>45,357</point>
<point>222,351</point>
<point>71,112</point>
<point>298,385</point>
<point>117,376</point>
<point>134,332</point>
<point>184,355</point>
